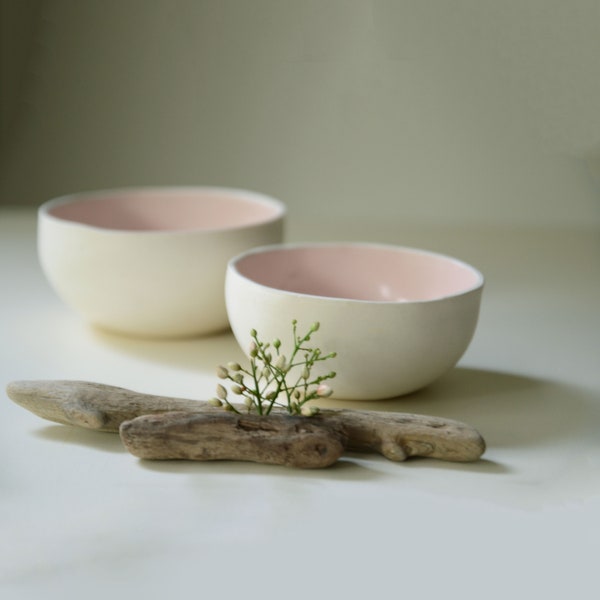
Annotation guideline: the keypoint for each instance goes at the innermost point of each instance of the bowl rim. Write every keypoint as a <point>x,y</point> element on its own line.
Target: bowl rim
<point>87,195</point>
<point>232,268</point>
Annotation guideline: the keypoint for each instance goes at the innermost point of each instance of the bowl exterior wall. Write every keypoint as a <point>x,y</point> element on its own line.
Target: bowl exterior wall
<point>153,284</point>
<point>383,350</point>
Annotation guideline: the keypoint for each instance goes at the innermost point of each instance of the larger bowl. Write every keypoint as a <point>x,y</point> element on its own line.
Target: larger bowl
<point>398,318</point>
<point>151,261</point>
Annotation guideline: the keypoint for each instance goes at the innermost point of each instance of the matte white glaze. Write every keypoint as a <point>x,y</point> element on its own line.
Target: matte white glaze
<point>398,318</point>
<point>152,261</point>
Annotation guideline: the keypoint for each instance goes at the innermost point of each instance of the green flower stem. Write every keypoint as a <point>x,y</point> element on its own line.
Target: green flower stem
<point>256,389</point>
<point>271,370</point>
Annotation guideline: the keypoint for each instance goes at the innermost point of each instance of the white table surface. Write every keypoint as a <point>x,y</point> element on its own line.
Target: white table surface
<point>82,518</point>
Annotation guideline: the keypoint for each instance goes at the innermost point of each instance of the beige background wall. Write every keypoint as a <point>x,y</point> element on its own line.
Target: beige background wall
<point>455,111</point>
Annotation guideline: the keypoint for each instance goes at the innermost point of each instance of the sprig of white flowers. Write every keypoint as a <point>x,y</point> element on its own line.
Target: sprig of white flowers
<point>274,379</point>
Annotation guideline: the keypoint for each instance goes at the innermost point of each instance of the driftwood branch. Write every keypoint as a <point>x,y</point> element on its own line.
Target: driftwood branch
<point>396,436</point>
<point>276,440</point>
<point>93,405</point>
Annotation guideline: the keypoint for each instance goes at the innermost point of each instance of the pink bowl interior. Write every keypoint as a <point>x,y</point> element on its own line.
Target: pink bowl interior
<point>167,209</point>
<point>368,273</point>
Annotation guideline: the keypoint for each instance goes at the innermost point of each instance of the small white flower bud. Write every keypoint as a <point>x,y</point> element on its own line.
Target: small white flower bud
<point>222,372</point>
<point>324,391</point>
<point>281,363</point>
<point>238,378</point>
<point>305,373</point>
<point>236,389</point>
<point>315,326</point>
<point>253,350</point>
<point>309,411</point>
<point>215,402</point>
<point>221,392</point>
<point>234,366</point>
<point>248,402</point>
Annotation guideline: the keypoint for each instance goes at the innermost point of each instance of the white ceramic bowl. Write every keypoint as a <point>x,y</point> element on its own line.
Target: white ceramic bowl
<point>151,261</point>
<point>398,318</point>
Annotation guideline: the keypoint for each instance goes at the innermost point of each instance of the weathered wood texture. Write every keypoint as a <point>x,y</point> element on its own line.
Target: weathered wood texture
<point>92,405</point>
<point>396,436</point>
<point>276,440</point>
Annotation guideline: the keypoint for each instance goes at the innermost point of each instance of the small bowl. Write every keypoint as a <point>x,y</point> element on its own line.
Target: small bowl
<point>151,261</point>
<point>397,317</point>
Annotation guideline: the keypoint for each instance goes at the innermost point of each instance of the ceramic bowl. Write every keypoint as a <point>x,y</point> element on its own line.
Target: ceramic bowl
<point>152,261</point>
<point>397,317</point>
